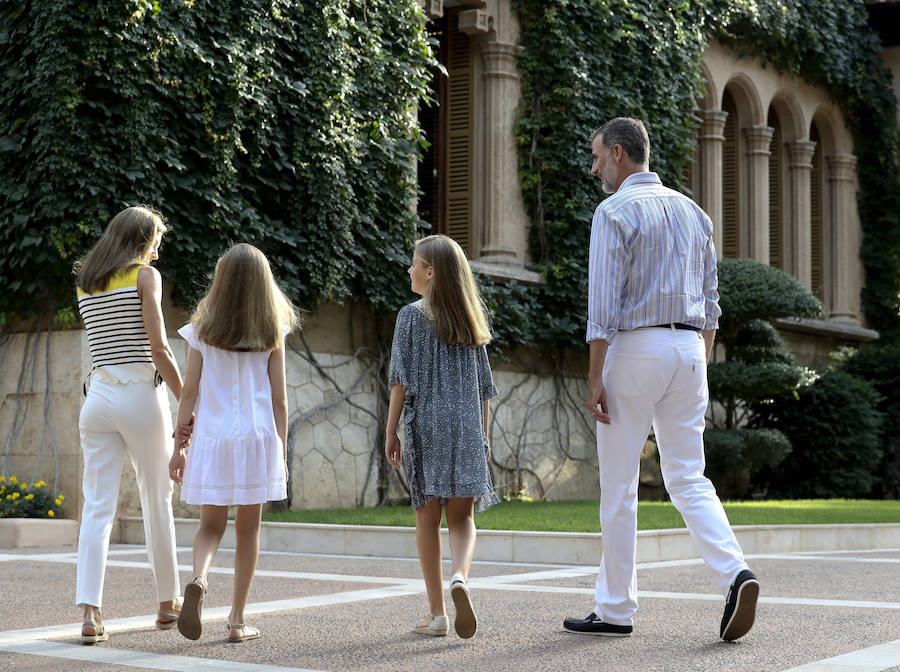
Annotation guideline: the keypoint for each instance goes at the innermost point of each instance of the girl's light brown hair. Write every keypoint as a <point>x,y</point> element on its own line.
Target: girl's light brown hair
<point>244,310</point>
<point>127,242</point>
<point>460,317</point>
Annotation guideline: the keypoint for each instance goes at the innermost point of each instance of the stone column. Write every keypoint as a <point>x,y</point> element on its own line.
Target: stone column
<point>799,252</point>
<point>842,265</point>
<point>755,227</point>
<point>504,224</point>
<point>711,140</point>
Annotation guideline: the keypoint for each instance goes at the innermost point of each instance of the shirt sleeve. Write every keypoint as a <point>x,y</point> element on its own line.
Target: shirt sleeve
<point>606,269</point>
<point>486,386</point>
<point>187,333</point>
<point>401,349</point>
<point>711,309</point>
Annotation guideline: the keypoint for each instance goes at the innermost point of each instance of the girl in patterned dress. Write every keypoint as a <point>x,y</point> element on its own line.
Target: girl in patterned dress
<point>441,379</point>
<point>236,382</point>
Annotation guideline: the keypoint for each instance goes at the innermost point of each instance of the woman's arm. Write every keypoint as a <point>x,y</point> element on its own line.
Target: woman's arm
<point>391,440</point>
<point>186,404</point>
<point>149,286</point>
<point>278,384</point>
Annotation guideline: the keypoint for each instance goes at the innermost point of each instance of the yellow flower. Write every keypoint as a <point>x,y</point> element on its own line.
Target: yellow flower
<point>59,502</point>
<point>9,496</point>
<point>50,513</point>
<point>62,497</point>
<point>24,486</point>
<point>29,496</point>
<point>13,480</point>
<point>2,479</point>
<point>15,495</point>
<point>2,488</point>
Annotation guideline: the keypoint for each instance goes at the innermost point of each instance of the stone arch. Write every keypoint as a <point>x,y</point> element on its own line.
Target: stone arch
<point>746,97</point>
<point>711,98</point>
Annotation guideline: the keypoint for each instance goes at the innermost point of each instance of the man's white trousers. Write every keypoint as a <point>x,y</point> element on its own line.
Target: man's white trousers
<point>119,419</point>
<point>657,377</point>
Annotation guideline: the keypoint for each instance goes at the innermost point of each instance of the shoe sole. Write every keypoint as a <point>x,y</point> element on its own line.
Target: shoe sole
<point>465,623</point>
<point>90,640</point>
<point>744,611</point>
<point>599,634</point>
<point>189,623</point>
<point>433,633</point>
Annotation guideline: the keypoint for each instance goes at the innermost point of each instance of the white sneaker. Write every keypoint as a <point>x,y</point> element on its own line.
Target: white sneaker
<point>438,627</point>
<point>465,623</point>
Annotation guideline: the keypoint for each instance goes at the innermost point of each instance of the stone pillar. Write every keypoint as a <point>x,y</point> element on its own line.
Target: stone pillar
<point>842,265</point>
<point>504,225</point>
<point>799,252</point>
<point>755,229</point>
<point>711,140</point>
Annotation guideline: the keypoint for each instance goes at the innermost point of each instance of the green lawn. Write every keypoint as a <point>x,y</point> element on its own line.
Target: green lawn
<point>583,516</point>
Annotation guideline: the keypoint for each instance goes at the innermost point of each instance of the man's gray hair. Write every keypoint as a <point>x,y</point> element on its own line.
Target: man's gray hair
<point>631,134</point>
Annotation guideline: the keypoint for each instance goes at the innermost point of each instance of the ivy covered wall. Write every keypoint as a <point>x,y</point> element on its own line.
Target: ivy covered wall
<point>289,124</point>
<point>588,61</point>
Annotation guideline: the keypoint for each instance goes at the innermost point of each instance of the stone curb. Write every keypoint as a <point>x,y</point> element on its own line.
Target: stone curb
<point>569,548</point>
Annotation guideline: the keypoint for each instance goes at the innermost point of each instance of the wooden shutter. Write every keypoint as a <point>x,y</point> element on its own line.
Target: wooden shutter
<point>730,179</point>
<point>433,122</point>
<point>459,135</point>
<point>776,167</point>
<point>816,216</point>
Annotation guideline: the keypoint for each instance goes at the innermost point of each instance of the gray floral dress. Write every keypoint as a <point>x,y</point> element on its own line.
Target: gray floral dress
<point>445,386</point>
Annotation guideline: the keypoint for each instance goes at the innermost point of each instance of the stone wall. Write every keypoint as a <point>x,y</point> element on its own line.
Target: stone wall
<point>539,434</point>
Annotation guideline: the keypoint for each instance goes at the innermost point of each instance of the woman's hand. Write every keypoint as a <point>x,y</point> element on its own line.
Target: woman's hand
<point>176,465</point>
<point>392,449</point>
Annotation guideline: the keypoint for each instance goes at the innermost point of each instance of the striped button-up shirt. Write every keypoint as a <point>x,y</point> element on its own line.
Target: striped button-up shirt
<point>652,261</point>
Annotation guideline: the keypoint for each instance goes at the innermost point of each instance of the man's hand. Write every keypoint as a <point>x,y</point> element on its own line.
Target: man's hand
<point>596,402</point>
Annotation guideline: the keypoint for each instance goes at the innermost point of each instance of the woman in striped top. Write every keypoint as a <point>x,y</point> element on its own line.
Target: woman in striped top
<point>126,411</point>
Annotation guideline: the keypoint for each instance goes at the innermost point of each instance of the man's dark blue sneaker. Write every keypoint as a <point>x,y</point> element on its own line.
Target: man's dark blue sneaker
<point>740,606</point>
<point>592,625</point>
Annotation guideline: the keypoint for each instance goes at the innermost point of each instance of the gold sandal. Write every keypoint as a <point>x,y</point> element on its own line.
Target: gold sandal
<point>99,635</point>
<point>247,632</point>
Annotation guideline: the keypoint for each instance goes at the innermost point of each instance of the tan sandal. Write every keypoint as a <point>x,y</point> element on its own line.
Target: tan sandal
<point>99,635</point>
<point>166,620</point>
<point>247,632</point>
<point>189,623</point>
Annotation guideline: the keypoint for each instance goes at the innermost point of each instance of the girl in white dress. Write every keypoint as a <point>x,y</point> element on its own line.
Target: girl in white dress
<point>235,382</point>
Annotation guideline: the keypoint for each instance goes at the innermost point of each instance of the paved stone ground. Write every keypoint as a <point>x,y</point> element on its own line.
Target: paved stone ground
<point>334,613</point>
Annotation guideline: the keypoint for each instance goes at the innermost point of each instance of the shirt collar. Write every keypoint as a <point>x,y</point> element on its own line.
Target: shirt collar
<point>635,179</point>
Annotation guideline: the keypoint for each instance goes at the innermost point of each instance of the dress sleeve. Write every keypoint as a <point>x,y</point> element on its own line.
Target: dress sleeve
<point>486,385</point>
<point>187,333</point>
<point>401,349</point>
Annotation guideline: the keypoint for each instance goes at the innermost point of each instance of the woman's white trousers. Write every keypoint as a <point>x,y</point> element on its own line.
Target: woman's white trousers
<point>119,419</point>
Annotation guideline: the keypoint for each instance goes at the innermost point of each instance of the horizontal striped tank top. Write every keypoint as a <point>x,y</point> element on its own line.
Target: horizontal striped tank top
<point>114,323</point>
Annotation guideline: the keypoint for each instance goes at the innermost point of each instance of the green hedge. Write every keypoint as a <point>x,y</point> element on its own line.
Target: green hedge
<point>835,432</point>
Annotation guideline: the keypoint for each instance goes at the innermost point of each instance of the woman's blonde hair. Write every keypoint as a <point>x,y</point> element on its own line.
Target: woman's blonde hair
<point>460,316</point>
<point>127,242</point>
<point>244,310</point>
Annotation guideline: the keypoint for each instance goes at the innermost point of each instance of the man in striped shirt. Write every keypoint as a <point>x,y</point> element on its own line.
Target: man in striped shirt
<point>652,316</point>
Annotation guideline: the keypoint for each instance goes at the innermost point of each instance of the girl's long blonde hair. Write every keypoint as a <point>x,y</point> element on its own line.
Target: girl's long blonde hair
<point>127,242</point>
<point>244,310</point>
<point>460,316</point>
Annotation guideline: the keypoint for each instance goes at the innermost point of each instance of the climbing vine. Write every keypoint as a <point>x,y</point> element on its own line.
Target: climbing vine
<point>585,62</point>
<point>287,124</point>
